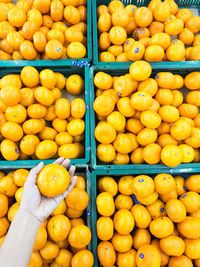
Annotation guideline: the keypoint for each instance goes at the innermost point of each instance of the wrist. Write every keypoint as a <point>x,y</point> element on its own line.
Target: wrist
<point>29,217</point>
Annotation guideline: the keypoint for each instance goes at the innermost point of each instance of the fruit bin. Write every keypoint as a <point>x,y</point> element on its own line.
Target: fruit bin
<point>194,5</point>
<point>84,172</point>
<point>60,62</point>
<point>117,174</point>
<point>121,70</point>
<point>66,71</point>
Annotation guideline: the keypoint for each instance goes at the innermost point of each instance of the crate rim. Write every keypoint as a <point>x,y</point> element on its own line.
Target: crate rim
<point>167,65</point>
<point>80,162</point>
<point>138,167</point>
<point>161,65</point>
<point>28,164</point>
<point>156,66</point>
<point>94,195</point>
<point>150,169</point>
<point>43,63</point>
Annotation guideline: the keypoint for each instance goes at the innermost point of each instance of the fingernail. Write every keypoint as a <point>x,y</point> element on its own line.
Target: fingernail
<point>60,159</point>
<point>68,162</point>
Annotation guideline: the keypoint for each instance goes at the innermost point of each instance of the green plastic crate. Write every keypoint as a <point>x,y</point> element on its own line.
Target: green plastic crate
<point>59,62</point>
<point>79,162</point>
<point>121,70</point>
<point>116,174</point>
<point>88,212</point>
<point>192,4</point>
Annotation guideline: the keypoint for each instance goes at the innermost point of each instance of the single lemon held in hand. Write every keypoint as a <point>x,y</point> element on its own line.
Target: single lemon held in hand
<point>53,180</point>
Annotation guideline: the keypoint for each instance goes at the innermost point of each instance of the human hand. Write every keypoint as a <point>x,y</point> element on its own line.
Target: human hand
<point>34,202</point>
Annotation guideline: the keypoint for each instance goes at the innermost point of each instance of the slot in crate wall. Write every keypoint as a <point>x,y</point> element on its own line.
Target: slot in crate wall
<point>121,70</point>
<point>66,71</point>
<point>194,5</point>
<point>117,174</point>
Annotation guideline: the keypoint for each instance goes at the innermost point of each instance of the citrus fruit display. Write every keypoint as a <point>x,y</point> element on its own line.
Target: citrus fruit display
<point>144,221</point>
<point>41,115</point>
<point>62,240</point>
<point>53,29</point>
<point>147,118</point>
<point>158,32</point>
